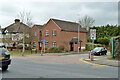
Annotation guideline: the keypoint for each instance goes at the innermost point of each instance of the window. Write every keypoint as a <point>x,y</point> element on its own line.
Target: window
<point>34,44</point>
<point>46,33</point>
<point>54,32</point>
<point>46,43</point>
<point>35,34</point>
<point>40,44</point>
<point>54,44</point>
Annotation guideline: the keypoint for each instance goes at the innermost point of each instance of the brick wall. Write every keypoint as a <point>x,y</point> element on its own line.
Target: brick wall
<point>35,38</point>
<point>62,37</point>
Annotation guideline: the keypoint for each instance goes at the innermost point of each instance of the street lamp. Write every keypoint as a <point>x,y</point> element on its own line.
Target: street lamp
<point>78,37</point>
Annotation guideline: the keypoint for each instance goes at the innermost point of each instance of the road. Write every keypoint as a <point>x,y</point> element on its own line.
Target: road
<point>56,67</point>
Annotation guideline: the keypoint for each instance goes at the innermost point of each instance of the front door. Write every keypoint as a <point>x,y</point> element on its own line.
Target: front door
<point>71,46</point>
<point>40,45</point>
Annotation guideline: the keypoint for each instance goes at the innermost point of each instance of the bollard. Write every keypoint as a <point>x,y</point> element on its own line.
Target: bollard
<point>91,56</point>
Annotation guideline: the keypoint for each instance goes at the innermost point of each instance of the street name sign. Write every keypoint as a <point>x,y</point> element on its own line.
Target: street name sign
<point>44,40</point>
<point>111,38</point>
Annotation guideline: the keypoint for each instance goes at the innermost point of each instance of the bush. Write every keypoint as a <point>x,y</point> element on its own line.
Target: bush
<point>19,47</point>
<point>61,47</point>
<point>28,48</point>
<point>53,49</point>
<point>89,46</point>
<point>104,41</point>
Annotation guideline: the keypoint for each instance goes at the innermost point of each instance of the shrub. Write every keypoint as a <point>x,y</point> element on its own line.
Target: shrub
<point>89,46</point>
<point>104,41</point>
<point>19,47</point>
<point>28,48</point>
<point>53,49</point>
<point>61,47</point>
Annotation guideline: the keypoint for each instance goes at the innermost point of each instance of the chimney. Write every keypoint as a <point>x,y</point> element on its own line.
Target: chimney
<point>17,20</point>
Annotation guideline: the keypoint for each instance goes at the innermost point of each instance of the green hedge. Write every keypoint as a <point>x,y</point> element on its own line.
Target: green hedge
<point>104,41</point>
<point>53,49</point>
<point>89,46</point>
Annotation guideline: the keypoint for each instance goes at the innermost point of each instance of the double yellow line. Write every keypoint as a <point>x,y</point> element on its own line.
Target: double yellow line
<point>81,59</point>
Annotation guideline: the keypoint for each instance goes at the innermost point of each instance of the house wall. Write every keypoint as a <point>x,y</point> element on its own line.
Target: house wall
<point>62,37</point>
<point>35,38</point>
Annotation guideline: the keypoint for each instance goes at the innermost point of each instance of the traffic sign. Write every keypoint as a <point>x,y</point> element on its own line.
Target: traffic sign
<point>111,38</point>
<point>93,34</point>
<point>44,40</point>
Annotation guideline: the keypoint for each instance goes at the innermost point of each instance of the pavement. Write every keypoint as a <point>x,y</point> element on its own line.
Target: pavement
<point>102,60</point>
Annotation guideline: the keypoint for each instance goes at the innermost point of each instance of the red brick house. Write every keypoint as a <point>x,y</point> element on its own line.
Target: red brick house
<point>60,33</point>
<point>36,37</point>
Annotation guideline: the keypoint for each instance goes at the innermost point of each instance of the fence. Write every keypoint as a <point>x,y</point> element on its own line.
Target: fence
<point>117,48</point>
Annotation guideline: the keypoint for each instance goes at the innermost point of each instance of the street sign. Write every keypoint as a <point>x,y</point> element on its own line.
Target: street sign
<point>111,38</point>
<point>93,34</point>
<point>44,40</point>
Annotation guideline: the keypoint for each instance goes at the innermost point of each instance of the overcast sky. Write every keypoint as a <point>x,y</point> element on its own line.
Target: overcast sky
<point>71,10</point>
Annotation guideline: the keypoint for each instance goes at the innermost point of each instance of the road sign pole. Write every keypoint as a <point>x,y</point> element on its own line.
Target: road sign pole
<point>93,44</point>
<point>44,47</point>
<point>112,48</point>
<point>78,37</point>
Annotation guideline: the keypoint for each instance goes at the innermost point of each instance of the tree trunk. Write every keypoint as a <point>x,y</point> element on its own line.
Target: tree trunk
<point>23,44</point>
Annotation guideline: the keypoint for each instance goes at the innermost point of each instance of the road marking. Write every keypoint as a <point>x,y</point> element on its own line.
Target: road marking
<point>89,59</point>
<point>81,59</point>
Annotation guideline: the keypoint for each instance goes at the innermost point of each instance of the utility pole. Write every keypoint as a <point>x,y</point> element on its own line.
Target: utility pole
<point>78,37</point>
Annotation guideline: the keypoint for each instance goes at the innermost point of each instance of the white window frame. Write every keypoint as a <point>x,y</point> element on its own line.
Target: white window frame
<point>54,44</point>
<point>46,33</point>
<point>54,32</point>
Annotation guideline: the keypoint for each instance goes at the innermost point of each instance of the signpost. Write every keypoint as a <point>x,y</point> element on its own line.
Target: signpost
<point>44,45</point>
<point>93,36</point>
<point>112,47</point>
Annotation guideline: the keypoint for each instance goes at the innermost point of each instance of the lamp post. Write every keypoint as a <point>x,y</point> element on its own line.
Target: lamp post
<point>78,38</point>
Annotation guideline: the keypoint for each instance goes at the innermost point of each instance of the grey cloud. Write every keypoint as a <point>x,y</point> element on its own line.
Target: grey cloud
<point>104,12</point>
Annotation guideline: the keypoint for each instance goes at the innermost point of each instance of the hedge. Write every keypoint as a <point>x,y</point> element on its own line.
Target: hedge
<point>89,46</point>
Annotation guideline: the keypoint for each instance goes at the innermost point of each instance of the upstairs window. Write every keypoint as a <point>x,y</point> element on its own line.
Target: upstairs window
<point>54,44</point>
<point>35,34</point>
<point>46,33</point>
<point>54,32</point>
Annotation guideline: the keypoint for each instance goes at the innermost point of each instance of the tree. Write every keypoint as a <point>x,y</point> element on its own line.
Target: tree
<point>86,22</point>
<point>26,18</point>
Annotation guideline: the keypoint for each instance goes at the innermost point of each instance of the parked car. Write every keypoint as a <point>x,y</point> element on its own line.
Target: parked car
<point>99,51</point>
<point>4,58</point>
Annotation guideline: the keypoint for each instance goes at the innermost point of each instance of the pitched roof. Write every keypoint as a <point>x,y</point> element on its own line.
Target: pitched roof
<point>39,27</point>
<point>75,39</point>
<point>17,27</point>
<point>68,26</point>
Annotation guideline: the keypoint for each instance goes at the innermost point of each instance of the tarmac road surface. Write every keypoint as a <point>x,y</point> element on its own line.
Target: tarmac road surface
<point>56,67</point>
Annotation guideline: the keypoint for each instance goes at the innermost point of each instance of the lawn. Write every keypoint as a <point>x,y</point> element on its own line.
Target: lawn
<point>26,52</point>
